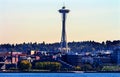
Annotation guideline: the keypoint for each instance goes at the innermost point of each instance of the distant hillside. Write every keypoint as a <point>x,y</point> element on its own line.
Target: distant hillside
<point>85,46</point>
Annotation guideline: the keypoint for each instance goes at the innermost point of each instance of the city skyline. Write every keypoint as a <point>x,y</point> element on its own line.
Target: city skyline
<point>38,21</point>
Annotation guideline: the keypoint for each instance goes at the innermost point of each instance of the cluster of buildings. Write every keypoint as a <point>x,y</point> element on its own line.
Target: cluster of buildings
<point>101,58</point>
<point>11,59</point>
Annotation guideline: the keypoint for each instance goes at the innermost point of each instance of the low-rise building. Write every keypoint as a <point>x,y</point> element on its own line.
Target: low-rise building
<point>116,56</point>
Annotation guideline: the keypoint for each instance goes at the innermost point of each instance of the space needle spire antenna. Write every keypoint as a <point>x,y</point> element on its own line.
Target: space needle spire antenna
<point>64,46</point>
<point>63,3</point>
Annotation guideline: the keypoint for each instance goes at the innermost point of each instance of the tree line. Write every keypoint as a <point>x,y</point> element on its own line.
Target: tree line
<point>25,65</point>
<point>84,46</point>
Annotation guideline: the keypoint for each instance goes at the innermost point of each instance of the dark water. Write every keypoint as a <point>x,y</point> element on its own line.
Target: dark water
<point>59,74</point>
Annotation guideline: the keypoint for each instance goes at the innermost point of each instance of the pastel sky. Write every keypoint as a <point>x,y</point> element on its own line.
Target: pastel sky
<point>39,20</point>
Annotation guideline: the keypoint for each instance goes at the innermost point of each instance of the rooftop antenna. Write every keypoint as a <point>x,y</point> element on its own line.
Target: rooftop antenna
<point>64,4</point>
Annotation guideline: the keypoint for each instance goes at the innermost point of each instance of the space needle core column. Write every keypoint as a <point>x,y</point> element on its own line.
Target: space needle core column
<point>64,46</point>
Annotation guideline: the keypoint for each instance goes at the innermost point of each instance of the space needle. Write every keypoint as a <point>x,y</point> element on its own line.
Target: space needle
<point>64,46</point>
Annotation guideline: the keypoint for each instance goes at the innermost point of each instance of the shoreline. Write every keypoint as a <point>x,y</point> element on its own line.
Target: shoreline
<point>60,72</point>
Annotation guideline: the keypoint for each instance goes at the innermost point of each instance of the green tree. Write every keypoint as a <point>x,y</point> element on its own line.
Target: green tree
<point>55,66</point>
<point>24,65</point>
<point>52,66</point>
<point>77,68</point>
<point>87,67</point>
<point>111,68</point>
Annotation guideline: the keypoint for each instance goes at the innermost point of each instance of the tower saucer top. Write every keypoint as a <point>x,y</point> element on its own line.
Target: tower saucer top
<point>64,10</point>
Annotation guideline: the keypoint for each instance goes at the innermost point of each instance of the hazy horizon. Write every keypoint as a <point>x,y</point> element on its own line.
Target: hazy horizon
<point>39,20</point>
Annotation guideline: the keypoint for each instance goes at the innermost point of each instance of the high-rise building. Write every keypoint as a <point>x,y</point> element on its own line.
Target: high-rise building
<point>64,46</point>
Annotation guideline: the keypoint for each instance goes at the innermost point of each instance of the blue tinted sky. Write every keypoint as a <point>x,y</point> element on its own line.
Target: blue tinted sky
<point>38,20</point>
